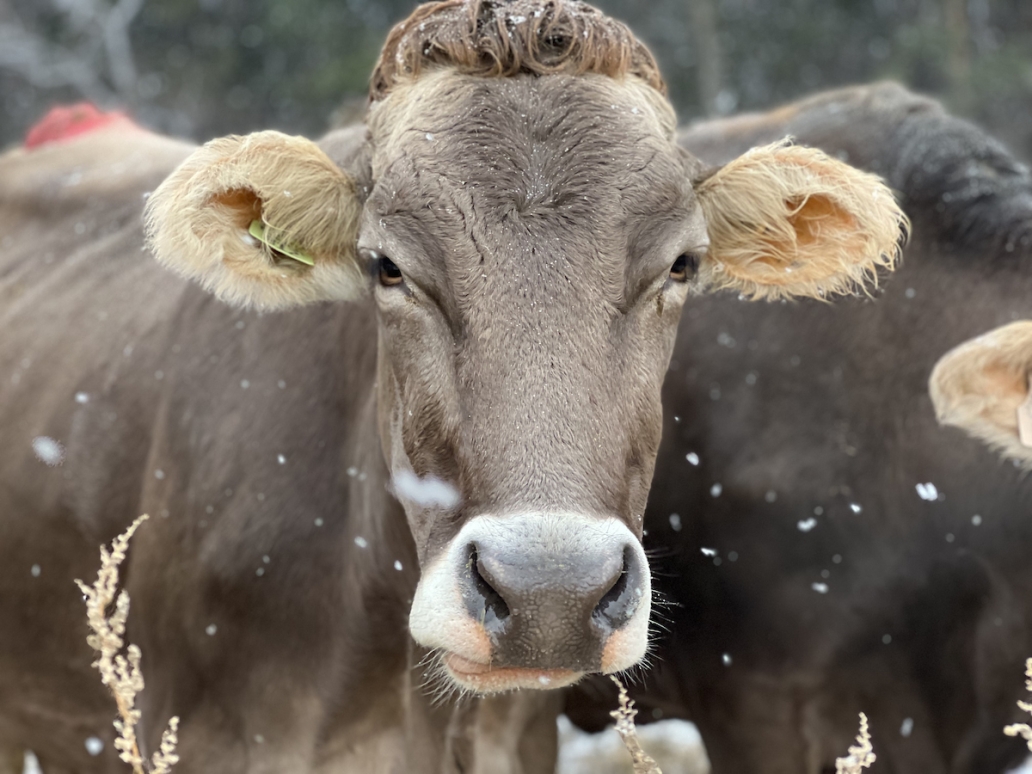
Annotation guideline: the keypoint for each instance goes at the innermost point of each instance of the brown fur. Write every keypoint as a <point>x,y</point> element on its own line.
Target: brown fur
<point>500,39</point>
<point>197,221</point>
<point>791,221</point>
<point>979,385</point>
<point>521,360</point>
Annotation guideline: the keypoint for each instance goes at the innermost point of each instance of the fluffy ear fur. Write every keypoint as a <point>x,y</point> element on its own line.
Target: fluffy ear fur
<point>197,221</point>
<point>982,385</point>
<point>790,221</point>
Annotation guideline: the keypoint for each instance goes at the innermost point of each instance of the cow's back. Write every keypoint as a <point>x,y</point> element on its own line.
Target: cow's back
<point>77,296</point>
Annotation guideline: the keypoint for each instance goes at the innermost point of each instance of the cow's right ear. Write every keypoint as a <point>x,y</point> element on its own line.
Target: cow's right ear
<point>263,220</point>
<point>982,387</point>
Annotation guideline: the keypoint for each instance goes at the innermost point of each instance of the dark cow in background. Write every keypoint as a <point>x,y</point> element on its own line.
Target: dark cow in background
<point>516,232</point>
<point>830,548</point>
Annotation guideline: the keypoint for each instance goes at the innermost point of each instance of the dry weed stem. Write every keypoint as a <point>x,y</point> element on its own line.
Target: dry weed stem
<point>624,717</point>
<point>121,672</point>
<point>1022,729</point>
<point>861,755</point>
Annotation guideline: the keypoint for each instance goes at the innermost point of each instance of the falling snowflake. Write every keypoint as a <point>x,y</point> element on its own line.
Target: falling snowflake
<point>927,491</point>
<point>429,492</point>
<point>48,450</point>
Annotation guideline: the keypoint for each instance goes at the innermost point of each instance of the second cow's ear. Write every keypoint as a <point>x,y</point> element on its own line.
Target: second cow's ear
<point>263,220</point>
<point>982,387</point>
<point>788,221</point>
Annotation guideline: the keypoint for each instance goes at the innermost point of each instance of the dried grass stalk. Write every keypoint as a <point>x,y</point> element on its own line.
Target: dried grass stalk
<point>120,671</point>
<point>624,717</point>
<point>861,755</point>
<point>1022,729</point>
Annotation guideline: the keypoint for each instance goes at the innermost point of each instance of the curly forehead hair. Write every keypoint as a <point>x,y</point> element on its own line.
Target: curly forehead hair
<point>500,38</point>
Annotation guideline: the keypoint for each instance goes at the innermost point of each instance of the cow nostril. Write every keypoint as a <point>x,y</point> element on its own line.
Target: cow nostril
<point>617,606</point>
<point>492,609</point>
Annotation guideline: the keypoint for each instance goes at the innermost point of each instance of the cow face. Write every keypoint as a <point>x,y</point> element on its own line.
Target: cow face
<point>530,261</point>
<point>530,242</point>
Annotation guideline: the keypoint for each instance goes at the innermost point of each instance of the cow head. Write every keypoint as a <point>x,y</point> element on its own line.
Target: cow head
<point>984,387</point>
<point>530,234</point>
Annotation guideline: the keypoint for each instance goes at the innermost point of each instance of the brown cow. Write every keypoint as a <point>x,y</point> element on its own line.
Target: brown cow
<point>516,231</point>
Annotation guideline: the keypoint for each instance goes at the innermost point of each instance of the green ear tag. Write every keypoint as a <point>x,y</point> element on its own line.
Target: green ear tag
<point>261,233</point>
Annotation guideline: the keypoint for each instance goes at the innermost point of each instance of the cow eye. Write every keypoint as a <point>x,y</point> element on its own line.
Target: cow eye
<point>384,268</point>
<point>389,272</point>
<point>685,267</point>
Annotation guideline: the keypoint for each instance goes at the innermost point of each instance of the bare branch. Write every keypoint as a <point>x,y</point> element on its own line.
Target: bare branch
<point>118,46</point>
<point>119,671</point>
<point>861,755</point>
<point>641,761</point>
<point>46,65</point>
<point>1022,729</point>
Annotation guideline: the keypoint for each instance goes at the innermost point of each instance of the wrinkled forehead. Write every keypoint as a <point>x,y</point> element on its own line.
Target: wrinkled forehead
<point>531,142</point>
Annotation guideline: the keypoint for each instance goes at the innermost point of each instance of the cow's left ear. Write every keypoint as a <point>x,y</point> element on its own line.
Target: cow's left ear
<point>982,387</point>
<point>263,220</point>
<point>790,221</point>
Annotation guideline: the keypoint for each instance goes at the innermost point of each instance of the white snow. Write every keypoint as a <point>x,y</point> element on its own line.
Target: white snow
<point>675,744</point>
<point>675,522</point>
<point>709,552</point>
<point>692,457</point>
<point>820,588</point>
<point>48,450</point>
<point>361,542</point>
<point>429,492</point>
<point>927,491</point>
<point>907,727</point>
<point>31,764</point>
<point>716,489</point>
<point>94,745</point>
<point>806,524</point>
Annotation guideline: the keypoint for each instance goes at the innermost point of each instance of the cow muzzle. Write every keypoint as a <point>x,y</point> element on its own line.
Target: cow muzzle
<point>535,600</point>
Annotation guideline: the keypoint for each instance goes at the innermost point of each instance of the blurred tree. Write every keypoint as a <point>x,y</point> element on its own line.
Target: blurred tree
<point>204,67</point>
<point>90,50</point>
<point>703,17</point>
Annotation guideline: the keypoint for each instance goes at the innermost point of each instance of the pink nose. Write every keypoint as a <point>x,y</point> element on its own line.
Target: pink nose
<point>546,610</point>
